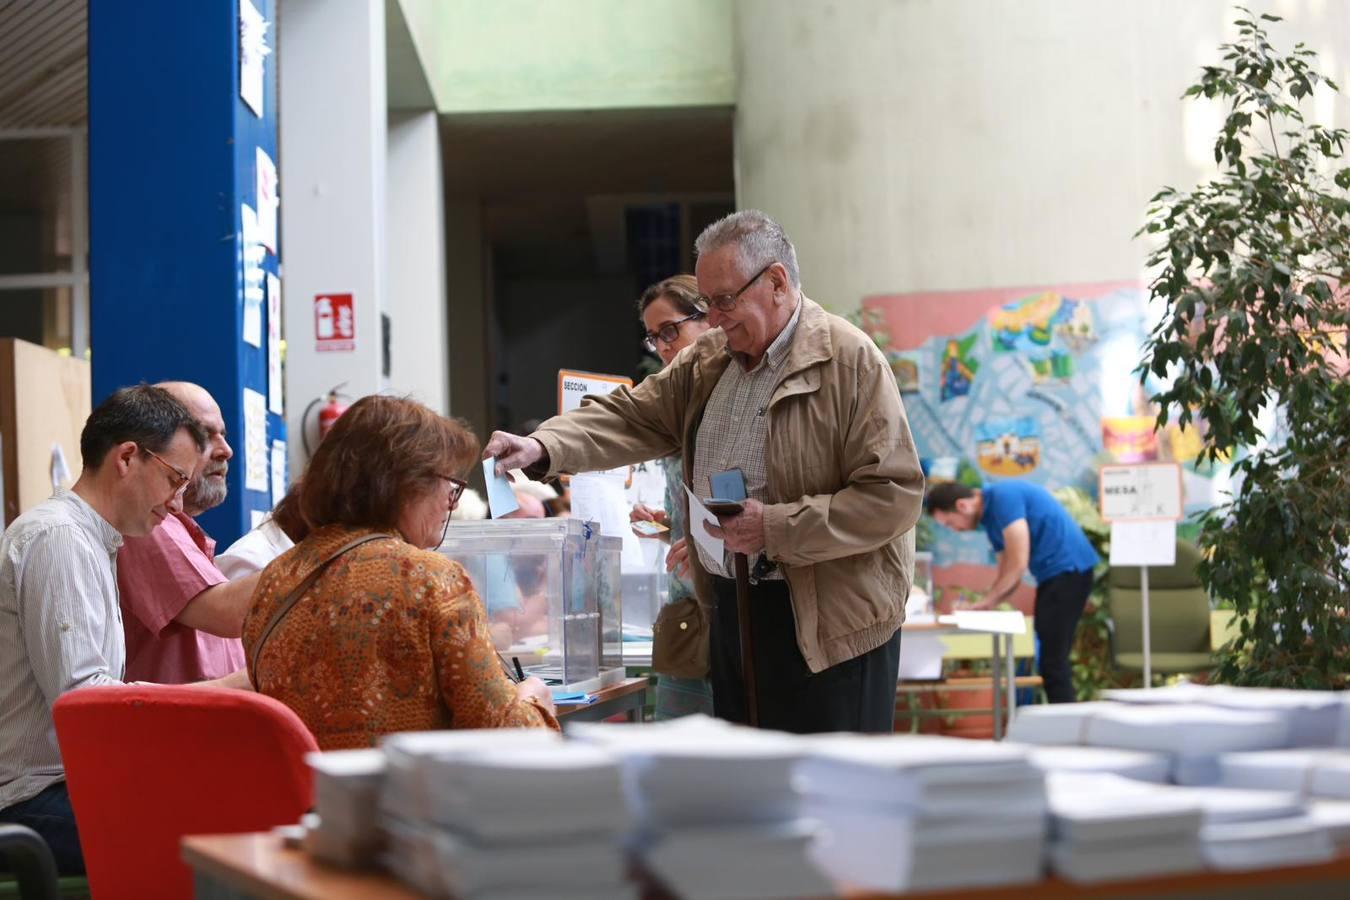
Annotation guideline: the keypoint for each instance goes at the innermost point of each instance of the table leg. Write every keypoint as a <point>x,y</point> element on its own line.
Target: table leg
<point>1011,662</point>
<point>996,674</point>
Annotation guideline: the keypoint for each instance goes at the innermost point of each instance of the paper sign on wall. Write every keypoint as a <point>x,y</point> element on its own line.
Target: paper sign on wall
<point>253,50</point>
<point>268,200</point>
<point>278,471</point>
<point>334,323</point>
<point>252,253</point>
<point>275,388</point>
<point>1144,491</point>
<point>255,441</point>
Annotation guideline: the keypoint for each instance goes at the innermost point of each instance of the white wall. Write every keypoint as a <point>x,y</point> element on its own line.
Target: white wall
<point>333,145</point>
<point>948,144</point>
<point>415,281</point>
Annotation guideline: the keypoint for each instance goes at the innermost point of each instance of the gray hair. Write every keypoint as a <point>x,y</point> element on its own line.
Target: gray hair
<point>759,240</point>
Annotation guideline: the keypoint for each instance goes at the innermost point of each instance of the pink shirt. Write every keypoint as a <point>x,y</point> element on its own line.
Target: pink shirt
<point>157,576</point>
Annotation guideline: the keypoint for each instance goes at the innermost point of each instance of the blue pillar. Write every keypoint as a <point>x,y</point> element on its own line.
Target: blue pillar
<point>173,154</point>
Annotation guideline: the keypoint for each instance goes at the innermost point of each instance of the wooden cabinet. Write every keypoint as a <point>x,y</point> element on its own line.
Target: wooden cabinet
<point>44,400</point>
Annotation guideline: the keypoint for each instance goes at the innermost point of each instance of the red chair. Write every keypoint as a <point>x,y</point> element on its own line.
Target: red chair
<point>148,765</point>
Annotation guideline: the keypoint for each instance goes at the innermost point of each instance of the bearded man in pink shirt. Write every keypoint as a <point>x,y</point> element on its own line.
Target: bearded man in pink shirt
<point>181,615</point>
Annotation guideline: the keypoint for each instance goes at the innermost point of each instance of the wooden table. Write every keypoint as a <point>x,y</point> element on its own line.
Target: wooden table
<point>258,867</point>
<point>1002,666</point>
<point>1327,880</point>
<point>628,697</point>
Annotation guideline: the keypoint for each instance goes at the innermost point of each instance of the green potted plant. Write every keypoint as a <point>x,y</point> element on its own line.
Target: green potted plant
<point>1252,270</point>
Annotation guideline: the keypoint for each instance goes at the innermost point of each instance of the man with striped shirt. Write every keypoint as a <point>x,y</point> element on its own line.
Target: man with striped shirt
<point>60,627</point>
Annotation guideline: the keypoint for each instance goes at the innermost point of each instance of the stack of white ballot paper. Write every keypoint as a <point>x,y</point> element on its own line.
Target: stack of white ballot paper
<point>1194,736</point>
<point>347,795</point>
<point>1315,773</point>
<point>1322,777</point>
<point>1257,829</point>
<point>903,813</point>
<point>1155,767</point>
<point>1313,718</point>
<point>501,815</point>
<point>1105,827</point>
<point>718,815</point>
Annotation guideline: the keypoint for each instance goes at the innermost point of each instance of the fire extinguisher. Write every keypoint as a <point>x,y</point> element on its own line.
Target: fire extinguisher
<point>329,413</point>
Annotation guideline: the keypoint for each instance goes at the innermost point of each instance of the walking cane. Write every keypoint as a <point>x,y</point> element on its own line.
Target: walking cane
<point>742,564</point>
<point>747,638</point>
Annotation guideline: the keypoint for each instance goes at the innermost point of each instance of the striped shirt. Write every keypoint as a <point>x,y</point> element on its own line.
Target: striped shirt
<point>735,429</point>
<point>60,629</point>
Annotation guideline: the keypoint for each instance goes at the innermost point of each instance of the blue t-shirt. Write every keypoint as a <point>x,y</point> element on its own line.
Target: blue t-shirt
<point>1058,545</point>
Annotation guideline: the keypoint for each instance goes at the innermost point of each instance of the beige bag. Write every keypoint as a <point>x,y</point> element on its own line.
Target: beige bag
<point>680,639</point>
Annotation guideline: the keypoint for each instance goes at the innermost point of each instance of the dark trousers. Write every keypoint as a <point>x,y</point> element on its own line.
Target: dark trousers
<point>1059,606</point>
<point>50,815</point>
<point>855,695</point>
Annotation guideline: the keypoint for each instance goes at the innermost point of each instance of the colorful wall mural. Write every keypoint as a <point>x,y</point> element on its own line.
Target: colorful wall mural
<point>1031,383</point>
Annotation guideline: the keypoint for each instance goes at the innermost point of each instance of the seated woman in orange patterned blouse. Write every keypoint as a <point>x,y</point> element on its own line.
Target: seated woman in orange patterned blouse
<point>389,636</point>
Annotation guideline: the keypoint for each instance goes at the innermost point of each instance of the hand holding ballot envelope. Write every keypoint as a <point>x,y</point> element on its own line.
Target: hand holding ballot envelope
<point>512,451</point>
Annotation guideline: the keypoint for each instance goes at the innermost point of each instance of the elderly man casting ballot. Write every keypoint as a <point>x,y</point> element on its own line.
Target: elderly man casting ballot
<point>806,407</point>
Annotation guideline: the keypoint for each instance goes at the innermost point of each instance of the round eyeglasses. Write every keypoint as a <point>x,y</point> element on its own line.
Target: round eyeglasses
<point>669,333</point>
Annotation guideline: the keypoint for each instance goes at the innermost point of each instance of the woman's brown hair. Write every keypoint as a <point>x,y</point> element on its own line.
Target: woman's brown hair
<point>680,290</point>
<point>381,453</point>
<point>287,517</point>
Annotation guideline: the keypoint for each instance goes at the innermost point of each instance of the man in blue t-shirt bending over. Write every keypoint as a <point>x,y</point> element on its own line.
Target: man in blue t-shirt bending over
<point>1029,529</point>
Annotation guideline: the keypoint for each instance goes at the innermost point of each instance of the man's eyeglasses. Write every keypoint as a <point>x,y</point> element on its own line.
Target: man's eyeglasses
<point>727,302</point>
<point>669,333</point>
<point>179,479</point>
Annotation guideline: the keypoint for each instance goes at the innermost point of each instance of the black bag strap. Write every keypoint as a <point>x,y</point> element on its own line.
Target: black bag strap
<point>294,597</point>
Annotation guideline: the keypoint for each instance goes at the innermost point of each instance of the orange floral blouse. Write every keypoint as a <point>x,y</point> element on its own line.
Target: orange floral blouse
<point>389,638</point>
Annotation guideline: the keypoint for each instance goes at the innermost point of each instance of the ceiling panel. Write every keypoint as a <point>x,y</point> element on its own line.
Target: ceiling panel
<point>43,63</point>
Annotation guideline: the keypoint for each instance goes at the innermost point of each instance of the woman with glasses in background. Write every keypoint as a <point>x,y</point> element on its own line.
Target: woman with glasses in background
<point>674,314</point>
<point>360,628</point>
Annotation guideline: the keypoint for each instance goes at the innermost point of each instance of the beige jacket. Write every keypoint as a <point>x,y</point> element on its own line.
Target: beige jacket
<point>844,482</point>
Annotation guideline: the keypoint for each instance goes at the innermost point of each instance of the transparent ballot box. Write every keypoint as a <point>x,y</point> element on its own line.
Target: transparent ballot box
<point>552,591</point>
<point>920,601</point>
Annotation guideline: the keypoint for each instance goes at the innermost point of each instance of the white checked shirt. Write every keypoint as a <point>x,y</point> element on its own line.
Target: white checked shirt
<point>60,629</point>
<point>735,430</point>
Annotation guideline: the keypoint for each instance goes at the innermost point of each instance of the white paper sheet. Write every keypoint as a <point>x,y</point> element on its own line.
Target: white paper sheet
<point>267,199</point>
<point>252,253</point>
<point>252,318</point>
<point>256,467</point>
<point>599,498</point>
<point>989,621</point>
<point>921,657</point>
<point>712,548</point>
<point>275,388</point>
<point>278,471</point>
<point>1143,543</point>
<point>253,50</point>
